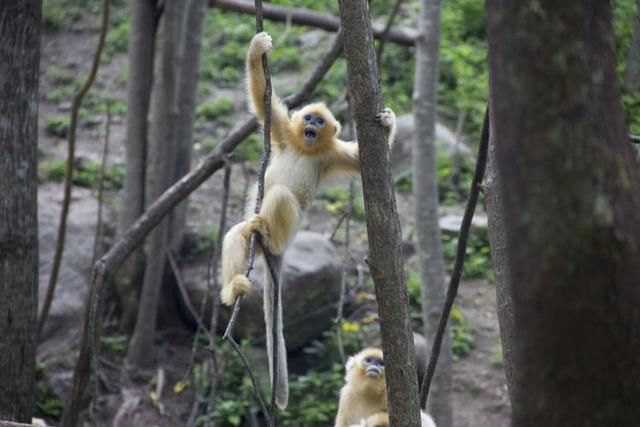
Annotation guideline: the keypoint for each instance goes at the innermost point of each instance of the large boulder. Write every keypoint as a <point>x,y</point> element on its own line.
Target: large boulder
<point>311,275</point>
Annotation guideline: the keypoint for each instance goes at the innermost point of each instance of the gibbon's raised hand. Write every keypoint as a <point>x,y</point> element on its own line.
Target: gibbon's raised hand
<point>306,151</point>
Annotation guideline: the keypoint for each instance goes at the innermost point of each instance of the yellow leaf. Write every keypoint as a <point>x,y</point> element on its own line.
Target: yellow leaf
<point>180,386</point>
<point>154,398</point>
<point>369,318</point>
<point>350,327</point>
<point>336,207</point>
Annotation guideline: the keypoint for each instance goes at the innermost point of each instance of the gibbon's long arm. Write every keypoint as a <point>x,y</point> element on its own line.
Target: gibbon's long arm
<point>345,156</point>
<point>256,84</point>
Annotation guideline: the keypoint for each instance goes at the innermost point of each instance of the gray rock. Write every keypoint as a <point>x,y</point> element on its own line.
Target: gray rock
<point>446,142</point>
<point>311,276</point>
<point>69,302</point>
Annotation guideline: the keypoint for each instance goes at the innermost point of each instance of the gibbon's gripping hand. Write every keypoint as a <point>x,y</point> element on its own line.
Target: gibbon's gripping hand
<point>261,43</point>
<point>387,118</point>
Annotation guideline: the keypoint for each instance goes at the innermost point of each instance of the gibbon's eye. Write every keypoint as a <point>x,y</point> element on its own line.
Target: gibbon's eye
<point>380,363</point>
<point>320,121</point>
<point>307,117</point>
<point>368,360</point>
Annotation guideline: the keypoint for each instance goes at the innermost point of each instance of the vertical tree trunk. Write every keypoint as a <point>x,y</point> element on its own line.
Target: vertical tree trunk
<point>498,243</point>
<point>142,40</point>
<point>383,226</point>
<point>189,66</point>
<point>160,154</point>
<point>19,72</point>
<point>571,197</point>
<point>632,70</point>
<point>425,192</point>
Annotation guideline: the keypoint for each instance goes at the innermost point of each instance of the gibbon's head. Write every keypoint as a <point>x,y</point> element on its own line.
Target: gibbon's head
<point>366,370</point>
<point>314,128</point>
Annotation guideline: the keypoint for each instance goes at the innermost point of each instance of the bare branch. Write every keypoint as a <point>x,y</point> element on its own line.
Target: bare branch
<point>103,167</point>
<point>403,36</point>
<point>385,34</point>
<point>66,201</point>
<point>456,275</point>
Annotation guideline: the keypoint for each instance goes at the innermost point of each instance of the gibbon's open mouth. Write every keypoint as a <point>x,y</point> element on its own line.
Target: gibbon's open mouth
<point>373,371</point>
<point>310,133</point>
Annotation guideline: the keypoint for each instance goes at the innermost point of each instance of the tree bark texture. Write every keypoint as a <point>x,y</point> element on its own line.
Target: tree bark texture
<point>632,70</point>
<point>383,226</point>
<point>189,66</point>
<point>161,153</point>
<point>142,40</point>
<point>570,188</point>
<point>499,256</point>
<point>19,73</point>
<point>425,192</point>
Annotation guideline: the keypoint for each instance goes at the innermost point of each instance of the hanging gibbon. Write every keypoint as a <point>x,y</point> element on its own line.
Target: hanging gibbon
<point>306,151</point>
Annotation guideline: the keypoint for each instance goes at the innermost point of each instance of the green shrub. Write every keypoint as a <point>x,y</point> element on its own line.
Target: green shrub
<point>215,109</point>
<point>58,126</point>
<point>460,333</point>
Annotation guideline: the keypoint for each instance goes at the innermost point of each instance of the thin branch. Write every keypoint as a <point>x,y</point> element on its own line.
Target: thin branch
<point>66,201</point>
<point>456,275</point>
<point>269,415</point>
<point>103,167</point>
<point>387,30</point>
<point>347,244</point>
<point>300,16</point>
<point>135,234</point>
<point>185,295</point>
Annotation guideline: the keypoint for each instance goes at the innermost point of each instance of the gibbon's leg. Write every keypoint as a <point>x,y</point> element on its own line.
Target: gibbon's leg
<point>282,384</point>
<point>234,263</point>
<point>278,218</point>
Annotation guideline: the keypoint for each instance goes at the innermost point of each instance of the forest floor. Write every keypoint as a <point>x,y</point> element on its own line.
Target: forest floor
<point>480,394</point>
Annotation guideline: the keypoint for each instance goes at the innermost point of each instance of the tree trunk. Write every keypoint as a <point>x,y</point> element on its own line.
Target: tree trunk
<point>161,154</point>
<point>189,65</point>
<point>383,226</point>
<point>632,70</point>
<point>144,23</point>
<point>498,244</point>
<point>19,73</point>
<point>425,192</point>
<point>571,197</point>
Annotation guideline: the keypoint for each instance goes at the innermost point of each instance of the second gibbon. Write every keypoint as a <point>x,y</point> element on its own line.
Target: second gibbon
<point>306,151</point>
<point>363,399</point>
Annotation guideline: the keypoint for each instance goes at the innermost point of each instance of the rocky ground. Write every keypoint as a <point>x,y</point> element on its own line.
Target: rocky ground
<point>480,396</point>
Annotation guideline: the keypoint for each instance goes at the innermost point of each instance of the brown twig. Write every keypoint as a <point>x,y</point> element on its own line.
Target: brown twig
<point>185,295</point>
<point>456,275</point>
<point>66,201</point>
<point>347,244</point>
<point>157,210</point>
<point>387,30</point>
<point>103,168</point>
<point>301,16</point>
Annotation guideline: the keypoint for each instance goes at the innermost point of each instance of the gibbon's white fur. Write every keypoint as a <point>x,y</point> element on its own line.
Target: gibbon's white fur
<point>306,150</point>
<point>363,399</point>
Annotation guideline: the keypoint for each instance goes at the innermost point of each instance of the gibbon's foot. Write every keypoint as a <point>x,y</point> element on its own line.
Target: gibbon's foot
<point>239,285</point>
<point>386,118</point>
<point>260,44</point>
<point>260,225</point>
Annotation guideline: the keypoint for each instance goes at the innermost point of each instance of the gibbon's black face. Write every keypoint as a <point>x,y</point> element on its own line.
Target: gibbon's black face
<point>312,124</point>
<point>373,366</point>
